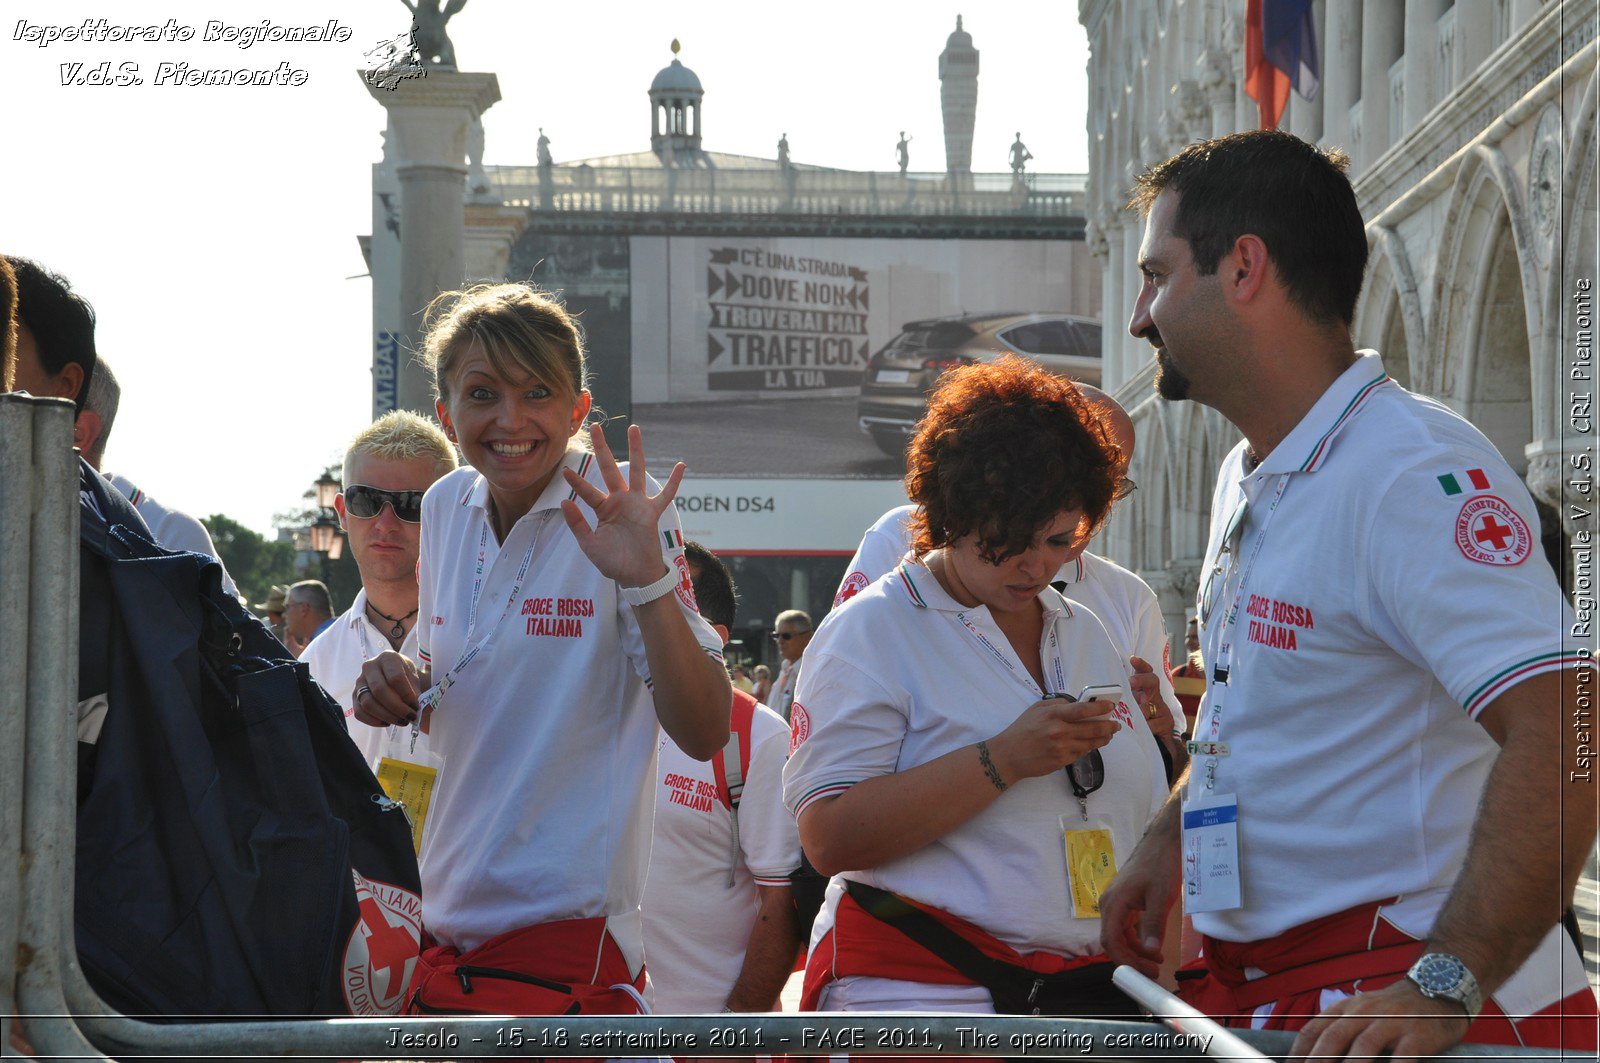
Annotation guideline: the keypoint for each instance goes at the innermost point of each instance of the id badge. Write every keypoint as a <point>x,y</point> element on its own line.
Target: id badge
<point>1091,865</point>
<point>1211,853</point>
<point>410,777</point>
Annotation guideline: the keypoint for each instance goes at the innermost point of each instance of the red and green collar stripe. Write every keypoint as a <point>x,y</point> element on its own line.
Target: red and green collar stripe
<point>1321,449</point>
<point>911,587</point>
<point>1509,677</point>
<point>582,471</point>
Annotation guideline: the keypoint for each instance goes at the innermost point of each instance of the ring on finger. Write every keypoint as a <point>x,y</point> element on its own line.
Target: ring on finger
<point>362,690</point>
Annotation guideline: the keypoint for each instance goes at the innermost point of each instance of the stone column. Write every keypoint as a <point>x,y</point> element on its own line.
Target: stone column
<point>1217,86</point>
<point>1523,14</point>
<point>428,120</point>
<point>1422,29</point>
<point>1474,39</point>
<point>1341,72</point>
<point>1382,37</point>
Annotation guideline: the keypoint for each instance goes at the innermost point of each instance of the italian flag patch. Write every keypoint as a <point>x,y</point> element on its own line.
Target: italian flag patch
<point>1456,482</point>
<point>673,538</point>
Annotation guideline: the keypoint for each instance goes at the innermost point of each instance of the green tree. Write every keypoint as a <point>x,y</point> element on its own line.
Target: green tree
<point>254,563</point>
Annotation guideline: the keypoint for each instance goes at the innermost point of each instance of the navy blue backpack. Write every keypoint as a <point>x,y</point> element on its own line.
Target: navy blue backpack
<point>235,855</point>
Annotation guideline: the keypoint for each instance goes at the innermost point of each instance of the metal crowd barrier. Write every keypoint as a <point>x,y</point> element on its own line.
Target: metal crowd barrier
<point>62,1017</point>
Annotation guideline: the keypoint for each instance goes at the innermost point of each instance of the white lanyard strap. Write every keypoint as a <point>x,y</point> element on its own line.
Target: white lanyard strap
<point>1057,671</point>
<point>474,649</point>
<point>1213,747</point>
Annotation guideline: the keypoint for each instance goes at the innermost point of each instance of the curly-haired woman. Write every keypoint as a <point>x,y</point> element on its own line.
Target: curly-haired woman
<point>969,808</point>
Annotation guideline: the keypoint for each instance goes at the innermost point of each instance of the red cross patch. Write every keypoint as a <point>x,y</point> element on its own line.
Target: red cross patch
<point>799,726</point>
<point>685,586</point>
<point>853,585</point>
<point>381,954</point>
<point>1490,532</point>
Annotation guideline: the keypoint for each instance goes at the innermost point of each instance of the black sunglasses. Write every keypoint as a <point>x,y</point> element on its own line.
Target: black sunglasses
<point>367,502</point>
<point>785,636</point>
<point>1088,773</point>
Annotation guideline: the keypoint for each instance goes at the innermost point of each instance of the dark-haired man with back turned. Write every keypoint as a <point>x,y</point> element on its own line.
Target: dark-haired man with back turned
<point>720,927</point>
<point>1374,836</point>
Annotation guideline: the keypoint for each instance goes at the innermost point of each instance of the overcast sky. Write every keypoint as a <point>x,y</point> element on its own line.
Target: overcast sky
<point>214,228</point>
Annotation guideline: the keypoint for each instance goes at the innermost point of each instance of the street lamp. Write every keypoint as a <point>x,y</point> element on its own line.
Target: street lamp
<point>325,537</point>
<point>327,491</point>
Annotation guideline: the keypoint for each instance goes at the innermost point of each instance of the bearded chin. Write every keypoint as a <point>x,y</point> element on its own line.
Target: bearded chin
<point>1171,384</point>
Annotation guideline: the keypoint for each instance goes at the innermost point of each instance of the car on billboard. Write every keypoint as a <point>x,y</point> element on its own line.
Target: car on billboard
<point>895,386</point>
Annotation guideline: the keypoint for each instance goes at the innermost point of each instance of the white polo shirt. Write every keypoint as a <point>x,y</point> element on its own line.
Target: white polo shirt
<point>1124,603</point>
<point>171,528</point>
<point>1396,589</point>
<point>543,806</point>
<point>696,925</point>
<point>335,658</point>
<point>907,674</point>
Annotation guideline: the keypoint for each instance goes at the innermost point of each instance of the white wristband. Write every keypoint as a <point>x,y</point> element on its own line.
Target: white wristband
<point>643,595</point>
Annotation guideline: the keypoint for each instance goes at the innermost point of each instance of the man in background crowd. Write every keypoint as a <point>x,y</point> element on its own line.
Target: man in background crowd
<point>388,467</point>
<point>792,632</point>
<point>1189,677</point>
<point>272,610</point>
<point>720,927</point>
<point>307,611</point>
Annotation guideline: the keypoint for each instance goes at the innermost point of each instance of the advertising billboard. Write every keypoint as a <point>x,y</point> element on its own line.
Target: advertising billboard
<point>745,358</point>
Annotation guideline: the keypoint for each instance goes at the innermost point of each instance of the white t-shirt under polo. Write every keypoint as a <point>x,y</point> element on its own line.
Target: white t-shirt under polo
<point>1397,588</point>
<point>906,674</point>
<point>335,658</point>
<point>543,806</point>
<point>696,925</point>
<point>1124,603</point>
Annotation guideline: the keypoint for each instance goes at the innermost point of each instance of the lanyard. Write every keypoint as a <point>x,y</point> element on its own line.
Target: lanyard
<point>1213,747</point>
<point>434,696</point>
<point>1011,669</point>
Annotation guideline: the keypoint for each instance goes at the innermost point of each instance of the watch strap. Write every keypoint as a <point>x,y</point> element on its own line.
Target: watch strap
<point>1464,991</point>
<point>660,588</point>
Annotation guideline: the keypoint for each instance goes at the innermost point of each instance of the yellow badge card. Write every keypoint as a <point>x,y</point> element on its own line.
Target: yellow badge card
<point>1090,868</point>
<point>411,785</point>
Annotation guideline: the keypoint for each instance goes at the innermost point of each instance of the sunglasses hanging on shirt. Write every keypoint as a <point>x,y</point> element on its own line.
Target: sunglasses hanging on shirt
<point>1086,774</point>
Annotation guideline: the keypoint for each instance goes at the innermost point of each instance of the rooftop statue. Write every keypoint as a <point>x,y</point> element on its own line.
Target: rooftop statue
<point>433,44</point>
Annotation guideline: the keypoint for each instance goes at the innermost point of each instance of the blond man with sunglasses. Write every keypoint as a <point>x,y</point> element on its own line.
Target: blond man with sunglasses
<point>387,468</point>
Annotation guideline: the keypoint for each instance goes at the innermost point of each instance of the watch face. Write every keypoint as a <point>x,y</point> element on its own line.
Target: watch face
<point>1438,973</point>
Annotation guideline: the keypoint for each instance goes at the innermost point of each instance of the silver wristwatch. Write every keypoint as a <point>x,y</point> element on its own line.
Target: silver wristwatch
<point>1444,977</point>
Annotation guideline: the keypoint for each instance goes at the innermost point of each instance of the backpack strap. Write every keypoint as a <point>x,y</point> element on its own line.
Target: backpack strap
<point>730,782</point>
<point>731,771</point>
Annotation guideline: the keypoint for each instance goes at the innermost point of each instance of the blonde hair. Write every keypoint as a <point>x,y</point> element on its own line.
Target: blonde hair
<point>521,330</point>
<point>401,435</point>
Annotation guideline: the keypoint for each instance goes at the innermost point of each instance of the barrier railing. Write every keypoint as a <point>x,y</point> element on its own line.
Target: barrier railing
<point>63,1017</point>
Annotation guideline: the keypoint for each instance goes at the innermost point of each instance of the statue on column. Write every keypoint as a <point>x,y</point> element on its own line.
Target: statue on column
<point>1019,156</point>
<point>477,177</point>
<point>902,150</point>
<point>428,28</point>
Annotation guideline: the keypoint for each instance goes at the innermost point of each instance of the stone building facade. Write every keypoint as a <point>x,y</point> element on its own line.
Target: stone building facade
<point>1471,129</point>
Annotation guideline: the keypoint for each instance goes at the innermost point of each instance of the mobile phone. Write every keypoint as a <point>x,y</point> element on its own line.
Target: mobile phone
<point>1101,692</point>
<point>1106,694</point>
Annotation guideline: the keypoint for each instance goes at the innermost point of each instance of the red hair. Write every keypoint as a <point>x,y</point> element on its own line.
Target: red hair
<point>1004,448</point>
